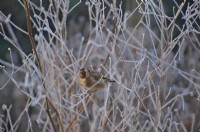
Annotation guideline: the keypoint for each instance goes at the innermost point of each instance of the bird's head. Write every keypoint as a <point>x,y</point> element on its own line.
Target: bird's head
<point>82,73</point>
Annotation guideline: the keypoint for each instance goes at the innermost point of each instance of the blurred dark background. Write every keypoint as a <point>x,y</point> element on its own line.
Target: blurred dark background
<point>15,9</point>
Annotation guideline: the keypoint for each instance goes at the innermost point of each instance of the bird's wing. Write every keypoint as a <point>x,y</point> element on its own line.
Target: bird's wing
<point>96,75</point>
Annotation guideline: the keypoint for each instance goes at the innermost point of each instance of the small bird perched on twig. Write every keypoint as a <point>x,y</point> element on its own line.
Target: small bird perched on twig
<point>92,80</point>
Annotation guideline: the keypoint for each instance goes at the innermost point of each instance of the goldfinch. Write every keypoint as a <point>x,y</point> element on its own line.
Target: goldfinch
<point>92,80</point>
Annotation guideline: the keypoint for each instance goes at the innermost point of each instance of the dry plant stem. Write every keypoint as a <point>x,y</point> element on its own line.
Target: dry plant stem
<point>112,45</point>
<point>178,12</point>
<point>106,60</point>
<point>126,71</point>
<point>50,104</point>
<point>29,27</point>
<point>49,114</point>
<point>103,123</point>
<point>137,112</point>
<point>139,99</point>
<point>22,113</point>
<point>79,111</point>
<point>139,105</point>
<point>171,25</point>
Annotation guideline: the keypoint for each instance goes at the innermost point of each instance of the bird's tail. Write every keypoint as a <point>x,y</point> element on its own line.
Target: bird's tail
<point>107,79</point>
